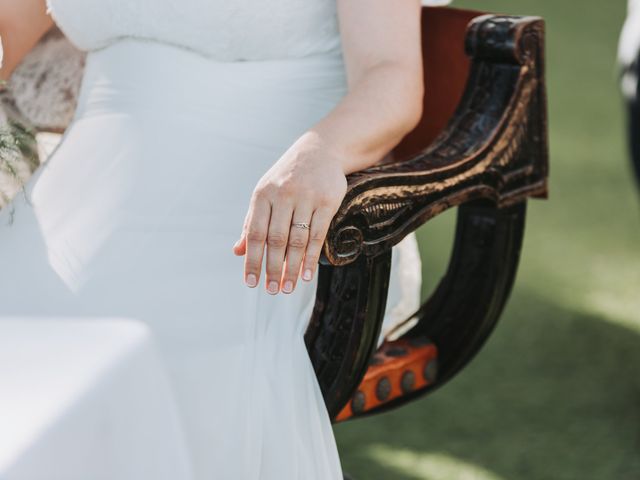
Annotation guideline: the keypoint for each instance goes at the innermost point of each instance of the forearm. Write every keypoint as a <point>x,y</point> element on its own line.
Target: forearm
<point>22,24</point>
<point>379,110</point>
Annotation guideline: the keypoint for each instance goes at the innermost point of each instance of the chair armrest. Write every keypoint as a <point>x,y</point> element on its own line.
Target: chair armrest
<point>494,148</point>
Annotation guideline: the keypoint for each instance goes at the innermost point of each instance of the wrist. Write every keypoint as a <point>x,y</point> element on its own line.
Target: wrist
<point>352,151</point>
<point>329,150</point>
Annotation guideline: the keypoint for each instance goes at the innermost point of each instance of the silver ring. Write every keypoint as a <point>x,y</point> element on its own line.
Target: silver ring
<point>301,225</point>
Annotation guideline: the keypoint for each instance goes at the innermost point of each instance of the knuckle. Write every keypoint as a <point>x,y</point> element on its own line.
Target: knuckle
<point>326,201</point>
<point>312,254</point>
<point>311,261</point>
<point>263,191</point>
<point>274,273</point>
<point>297,242</point>
<point>317,236</point>
<point>255,235</point>
<point>287,190</point>
<point>258,195</point>
<point>252,266</point>
<point>283,198</point>
<point>276,239</point>
<point>293,267</point>
<point>292,273</point>
<point>288,271</point>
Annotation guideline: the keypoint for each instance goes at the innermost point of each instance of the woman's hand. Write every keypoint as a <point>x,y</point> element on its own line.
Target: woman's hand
<point>382,53</point>
<point>306,185</point>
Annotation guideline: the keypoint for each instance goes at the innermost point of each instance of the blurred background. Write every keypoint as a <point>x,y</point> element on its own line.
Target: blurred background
<point>555,393</point>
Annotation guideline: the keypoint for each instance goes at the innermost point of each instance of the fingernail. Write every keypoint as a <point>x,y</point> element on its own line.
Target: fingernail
<point>307,274</point>
<point>288,286</point>
<point>251,280</point>
<point>273,286</point>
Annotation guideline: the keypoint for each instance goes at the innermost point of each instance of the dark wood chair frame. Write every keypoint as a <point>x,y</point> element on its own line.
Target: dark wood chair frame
<point>489,158</point>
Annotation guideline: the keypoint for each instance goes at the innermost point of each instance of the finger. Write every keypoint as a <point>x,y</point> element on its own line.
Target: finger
<point>296,247</point>
<point>256,235</point>
<point>239,248</point>
<point>277,239</point>
<point>319,226</point>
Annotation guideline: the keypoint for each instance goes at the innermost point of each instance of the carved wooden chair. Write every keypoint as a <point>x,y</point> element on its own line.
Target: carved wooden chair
<point>481,146</point>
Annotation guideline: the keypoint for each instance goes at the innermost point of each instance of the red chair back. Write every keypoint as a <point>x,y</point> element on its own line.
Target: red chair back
<point>446,68</point>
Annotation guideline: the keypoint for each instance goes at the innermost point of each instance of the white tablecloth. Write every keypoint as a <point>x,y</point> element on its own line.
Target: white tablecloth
<point>85,399</point>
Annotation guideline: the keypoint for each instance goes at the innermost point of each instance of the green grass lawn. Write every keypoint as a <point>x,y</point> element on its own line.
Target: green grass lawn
<point>555,393</point>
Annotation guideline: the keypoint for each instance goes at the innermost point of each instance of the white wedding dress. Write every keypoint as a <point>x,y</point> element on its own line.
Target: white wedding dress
<point>184,105</point>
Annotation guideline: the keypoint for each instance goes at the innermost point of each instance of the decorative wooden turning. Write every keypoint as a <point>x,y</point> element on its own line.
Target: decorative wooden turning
<point>481,147</point>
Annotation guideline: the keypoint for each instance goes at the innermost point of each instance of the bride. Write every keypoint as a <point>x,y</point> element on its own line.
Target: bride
<point>194,188</point>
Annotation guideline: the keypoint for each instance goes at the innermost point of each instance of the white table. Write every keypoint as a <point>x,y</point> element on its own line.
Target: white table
<point>85,399</point>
